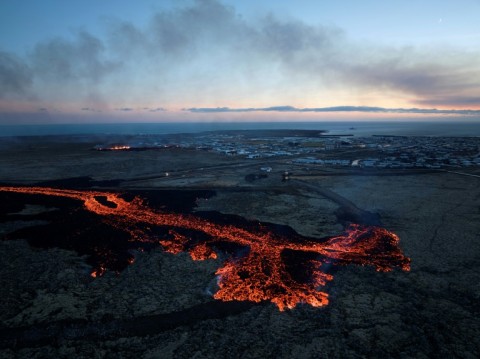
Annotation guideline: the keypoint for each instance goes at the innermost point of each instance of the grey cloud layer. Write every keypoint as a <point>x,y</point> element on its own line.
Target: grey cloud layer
<point>215,47</point>
<point>60,60</point>
<point>15,75</point>
<point>333,109</point>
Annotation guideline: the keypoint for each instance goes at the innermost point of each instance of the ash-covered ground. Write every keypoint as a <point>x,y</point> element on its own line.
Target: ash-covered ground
<point>162,305</point>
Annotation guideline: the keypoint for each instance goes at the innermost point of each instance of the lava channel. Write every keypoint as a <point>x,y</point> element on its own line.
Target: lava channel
<point>264,271</point>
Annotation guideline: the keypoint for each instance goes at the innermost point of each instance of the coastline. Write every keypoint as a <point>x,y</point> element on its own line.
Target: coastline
<point>442,127</point>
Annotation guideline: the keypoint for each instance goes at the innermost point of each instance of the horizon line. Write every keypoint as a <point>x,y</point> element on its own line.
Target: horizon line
<point>367,109</point>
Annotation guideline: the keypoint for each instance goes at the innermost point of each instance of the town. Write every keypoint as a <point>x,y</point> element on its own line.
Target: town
<point>320,149</point>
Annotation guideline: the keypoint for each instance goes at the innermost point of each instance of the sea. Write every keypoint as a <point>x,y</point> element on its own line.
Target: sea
<point>456,128</point>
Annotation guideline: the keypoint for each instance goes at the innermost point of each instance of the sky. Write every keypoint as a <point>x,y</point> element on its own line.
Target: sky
<point>225,60</point>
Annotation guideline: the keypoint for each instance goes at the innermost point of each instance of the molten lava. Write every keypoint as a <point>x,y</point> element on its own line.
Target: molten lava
<point>262,273</point>
<point>114,148</point>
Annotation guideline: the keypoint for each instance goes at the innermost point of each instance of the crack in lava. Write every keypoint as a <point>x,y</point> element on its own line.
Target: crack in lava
<point>263,273</point>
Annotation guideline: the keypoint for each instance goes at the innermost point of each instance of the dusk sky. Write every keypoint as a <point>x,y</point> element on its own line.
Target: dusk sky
<point>202,60</point>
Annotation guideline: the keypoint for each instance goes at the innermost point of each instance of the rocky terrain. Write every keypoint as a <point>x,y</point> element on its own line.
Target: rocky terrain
<point>162,305</point>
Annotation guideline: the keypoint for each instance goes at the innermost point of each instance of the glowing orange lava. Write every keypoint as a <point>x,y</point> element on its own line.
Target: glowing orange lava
<point>114,148</point>
<point>262,274</point>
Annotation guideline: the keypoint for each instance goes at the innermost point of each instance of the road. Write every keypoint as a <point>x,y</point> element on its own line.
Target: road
<point>348,211</point>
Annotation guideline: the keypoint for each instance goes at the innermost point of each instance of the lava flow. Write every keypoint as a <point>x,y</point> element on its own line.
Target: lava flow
<point>265,271</point>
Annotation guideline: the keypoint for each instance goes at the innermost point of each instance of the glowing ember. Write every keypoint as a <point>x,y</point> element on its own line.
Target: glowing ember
<point>263,272</point>
<point>114,148</point>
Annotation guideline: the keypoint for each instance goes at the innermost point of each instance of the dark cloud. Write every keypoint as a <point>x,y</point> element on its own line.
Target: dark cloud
<point>197,27</point>
<point>15,75</point>
<point>126,40</point>
<point>459,101</point>
<point>89,109</point>
<point>248,109</point>
<point>206,50</point>
<point>124,109</point>
<point>158,109</point>
<point>218,109</point>
<point>333,109</point>
<point>293,43</point>
<point>209,30</point>
<point>180,35</point>
<point>81,59</point>
<point>295,52</point>
<point>415,73</point>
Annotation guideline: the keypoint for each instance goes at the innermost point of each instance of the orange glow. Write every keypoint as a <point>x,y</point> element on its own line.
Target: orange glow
<point>98,272</point>
<point>115,148</point>
<point>202,252</point>
<point>262,274</point>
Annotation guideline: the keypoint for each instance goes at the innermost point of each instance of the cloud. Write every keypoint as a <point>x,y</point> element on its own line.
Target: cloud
<point>333,109</point>
<point>204,52</point>
<point>124,109</point>
<point>158,109</point>
<point>458,101</point>
<point>213,48</point>
<point>428,76</point>
<point>89,109</point>
<point>191,27</point>
<point>80,59</point>
<point>15,75</point>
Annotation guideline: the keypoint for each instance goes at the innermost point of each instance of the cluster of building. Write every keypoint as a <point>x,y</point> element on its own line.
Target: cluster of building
<point>373,151</point>
<point>430,152</point>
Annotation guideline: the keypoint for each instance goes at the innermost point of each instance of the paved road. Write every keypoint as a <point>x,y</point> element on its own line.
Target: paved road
<point>462,173</point>
<point>348,211</point>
